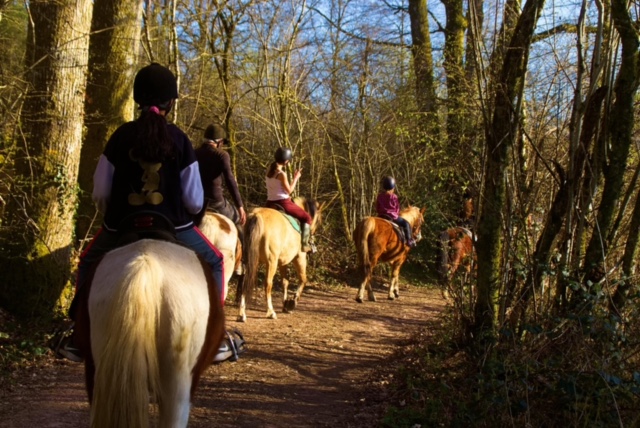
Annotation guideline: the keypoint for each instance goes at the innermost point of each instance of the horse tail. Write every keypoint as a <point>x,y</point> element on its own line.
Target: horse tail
<point>254,230</point>
<point>128,362</point>
<point>443,265</point>
<point>364,229</point>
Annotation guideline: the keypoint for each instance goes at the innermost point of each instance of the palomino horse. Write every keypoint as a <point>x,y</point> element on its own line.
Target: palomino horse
<point>456,248</point>
<point>148,325</point>
<point>271,239</point>
<point>222,233</point>
<point>377,242</point>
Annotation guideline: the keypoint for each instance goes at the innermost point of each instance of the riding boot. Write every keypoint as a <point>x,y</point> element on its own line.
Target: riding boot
<point>306,236</point>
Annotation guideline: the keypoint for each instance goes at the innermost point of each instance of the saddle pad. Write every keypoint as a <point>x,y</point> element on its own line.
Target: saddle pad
<point>294,221</point>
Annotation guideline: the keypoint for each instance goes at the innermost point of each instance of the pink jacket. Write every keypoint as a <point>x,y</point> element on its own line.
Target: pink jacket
<point>388,205</point>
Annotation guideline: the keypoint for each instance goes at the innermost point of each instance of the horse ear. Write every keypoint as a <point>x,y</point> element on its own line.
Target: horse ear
<point>422,210</point>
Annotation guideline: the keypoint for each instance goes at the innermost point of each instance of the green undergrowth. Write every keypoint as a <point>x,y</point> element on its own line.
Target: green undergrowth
<point>22,344</point>
<point>570,372</point>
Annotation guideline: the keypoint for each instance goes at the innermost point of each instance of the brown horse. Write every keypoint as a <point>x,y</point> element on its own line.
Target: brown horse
<point>377,242</point>
<point>271,239</point>
<point>456,248</point>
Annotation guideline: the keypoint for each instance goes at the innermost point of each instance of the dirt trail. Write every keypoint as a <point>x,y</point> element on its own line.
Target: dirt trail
<point>305,369</point>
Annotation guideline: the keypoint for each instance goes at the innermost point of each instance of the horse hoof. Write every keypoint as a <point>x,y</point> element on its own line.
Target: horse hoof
<point>359,300</point>
<point>396,294</point>
<point>372,299</point>
<point>241,318</point>
<point>391,298</point>
<point>273,316</point>
<point>289,306</point>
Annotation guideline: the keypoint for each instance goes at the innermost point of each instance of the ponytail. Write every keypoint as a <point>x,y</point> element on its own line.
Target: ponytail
<point>153,142</point>
<point>271,171</point>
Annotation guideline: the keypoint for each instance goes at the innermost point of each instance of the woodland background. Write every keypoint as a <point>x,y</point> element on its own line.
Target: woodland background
<point>528,106</point>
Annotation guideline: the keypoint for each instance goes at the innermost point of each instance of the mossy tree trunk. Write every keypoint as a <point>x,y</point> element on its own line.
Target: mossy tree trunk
<point>37,236</point>
<point>113,48</point>
<point>453,66</point>
<point>619,139</point>
<point>423,65</point>
<point>500,137</point>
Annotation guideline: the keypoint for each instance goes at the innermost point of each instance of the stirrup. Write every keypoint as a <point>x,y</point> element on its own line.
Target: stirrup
<point>232,346</point>
<point>60,344</point>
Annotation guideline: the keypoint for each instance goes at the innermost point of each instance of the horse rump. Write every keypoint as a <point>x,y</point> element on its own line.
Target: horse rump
<point>155,322</point>
<point>361,236</point>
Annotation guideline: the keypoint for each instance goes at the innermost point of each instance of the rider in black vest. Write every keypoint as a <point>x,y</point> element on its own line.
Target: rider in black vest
<point>148,165</point>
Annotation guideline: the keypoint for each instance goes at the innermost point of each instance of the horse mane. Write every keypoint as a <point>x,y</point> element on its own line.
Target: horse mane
<point>309,205</point>
<point>410,214</point>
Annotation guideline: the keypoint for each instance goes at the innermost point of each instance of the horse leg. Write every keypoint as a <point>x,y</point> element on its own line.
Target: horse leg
<point>300,264</point>
<point>241,301</point>
<point>284,271</point>
<point>174,405</point>
<point>455,262</point>
<point>371,296</point>
<point>242,313</point>
<point>394,289</point>
<point>175,346</point>
<point>272,266</point>
<point>365,283</point>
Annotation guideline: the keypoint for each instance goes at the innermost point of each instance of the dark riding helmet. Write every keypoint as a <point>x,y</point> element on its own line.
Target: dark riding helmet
<point>388,183</point>
<point>154,85</point>
<point>283,154</point>
<point>215,132</point>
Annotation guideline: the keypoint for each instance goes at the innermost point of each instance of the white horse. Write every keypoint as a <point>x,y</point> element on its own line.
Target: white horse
<point>148,325</point>
<point>222,233</point>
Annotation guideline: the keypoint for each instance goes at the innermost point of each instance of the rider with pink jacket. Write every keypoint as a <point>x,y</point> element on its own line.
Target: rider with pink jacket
<point>388,206</point>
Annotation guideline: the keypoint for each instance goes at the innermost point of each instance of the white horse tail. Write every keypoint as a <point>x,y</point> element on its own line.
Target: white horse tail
<point>125,326</point>
<point>254,230</point>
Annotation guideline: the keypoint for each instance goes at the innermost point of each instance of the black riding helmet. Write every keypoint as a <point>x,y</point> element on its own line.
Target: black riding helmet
<point>215,132</point>
<point>388,183</point>
<point>154,85</point>
<point>283,154</point>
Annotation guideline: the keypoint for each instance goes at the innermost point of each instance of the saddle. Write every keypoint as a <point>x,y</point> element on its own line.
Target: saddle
<point>146,225</point>
<point>294,221</point>
<point>134,227</point>
<point>404,239</point>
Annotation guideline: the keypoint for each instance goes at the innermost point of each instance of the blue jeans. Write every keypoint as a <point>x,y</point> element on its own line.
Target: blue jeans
<point>105,241</point>
<point>404,224</point>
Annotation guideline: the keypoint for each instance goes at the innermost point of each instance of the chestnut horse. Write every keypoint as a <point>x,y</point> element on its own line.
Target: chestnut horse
<point>222,233</point>
<point>149,324</point>
<point>456,248</point>
<point>271,239</point>
<point>377,242</point>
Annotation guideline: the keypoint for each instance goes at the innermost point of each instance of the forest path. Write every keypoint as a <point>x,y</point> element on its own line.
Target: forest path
<point>305,369</point>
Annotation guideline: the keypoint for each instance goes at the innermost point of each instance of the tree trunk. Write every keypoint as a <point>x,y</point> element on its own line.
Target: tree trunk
<point>619,137</point>
<point>500,138</point>
<point>113,49</point>
<point>38,237</point>
<point>423,64</point>
<point>453,66</point>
